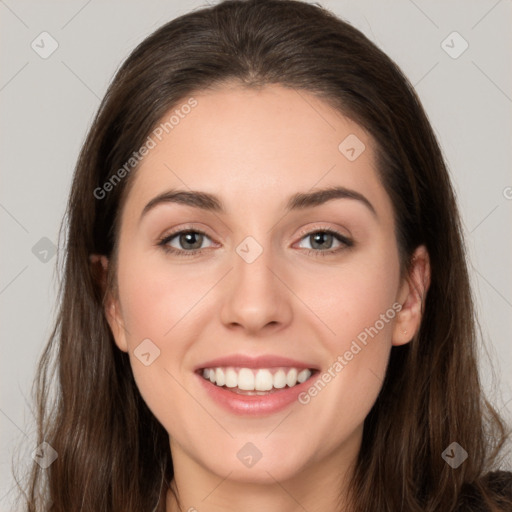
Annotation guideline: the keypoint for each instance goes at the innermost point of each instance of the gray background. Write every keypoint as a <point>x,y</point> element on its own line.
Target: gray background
<point>48,104</point>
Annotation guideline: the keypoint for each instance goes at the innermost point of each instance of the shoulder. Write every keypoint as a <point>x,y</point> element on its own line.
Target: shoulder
<point>497,485</point>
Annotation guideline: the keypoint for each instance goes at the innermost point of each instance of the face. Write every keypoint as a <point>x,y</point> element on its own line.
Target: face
<point>258,288</point>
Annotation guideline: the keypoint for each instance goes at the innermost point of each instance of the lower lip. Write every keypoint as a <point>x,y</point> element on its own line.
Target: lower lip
<point>256,405</point>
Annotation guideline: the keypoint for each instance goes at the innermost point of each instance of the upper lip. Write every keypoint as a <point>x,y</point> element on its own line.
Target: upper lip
<point>264,361</point>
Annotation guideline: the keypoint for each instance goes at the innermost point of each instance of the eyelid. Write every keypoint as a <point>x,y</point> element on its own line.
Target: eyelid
<point>184,227</point>
<point>322,227</point>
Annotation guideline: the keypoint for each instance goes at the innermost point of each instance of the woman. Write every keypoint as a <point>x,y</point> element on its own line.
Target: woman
<point>251,372</point>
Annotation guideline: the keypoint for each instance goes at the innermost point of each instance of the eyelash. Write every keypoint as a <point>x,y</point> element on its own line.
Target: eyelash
<point>347,242</point>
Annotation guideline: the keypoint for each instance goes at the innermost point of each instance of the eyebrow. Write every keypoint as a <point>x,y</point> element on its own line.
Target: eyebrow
<point>299,201</point>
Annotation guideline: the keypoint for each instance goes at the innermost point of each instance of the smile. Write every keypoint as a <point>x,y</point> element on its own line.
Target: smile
<point>257,381</point>
<point>254,391</point>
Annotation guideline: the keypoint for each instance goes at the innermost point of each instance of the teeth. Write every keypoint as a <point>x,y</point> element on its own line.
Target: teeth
<point>303,376</point>
<point>220,378</point>
<point>231,378</point>
<point>245,379</point>
<point>262,379</point>
<point>291,377</point>
<point>279,379</point>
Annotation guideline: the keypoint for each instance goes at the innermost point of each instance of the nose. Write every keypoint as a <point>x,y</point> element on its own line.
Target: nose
<point>257,295</point>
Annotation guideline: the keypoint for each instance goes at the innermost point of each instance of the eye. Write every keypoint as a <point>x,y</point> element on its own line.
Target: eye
<point>190,241</point>
<point>322,240</point>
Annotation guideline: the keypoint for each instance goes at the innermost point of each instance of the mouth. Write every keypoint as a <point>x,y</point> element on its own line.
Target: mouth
<point>254,392</point>
<point>256,381</point>
<point>250,385</point>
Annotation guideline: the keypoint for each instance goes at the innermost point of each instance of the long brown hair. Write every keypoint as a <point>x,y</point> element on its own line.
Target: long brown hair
<point>113,455</point>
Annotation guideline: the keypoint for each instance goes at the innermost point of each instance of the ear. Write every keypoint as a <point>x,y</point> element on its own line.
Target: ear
<point>112,307</point>
<point>412,296</point>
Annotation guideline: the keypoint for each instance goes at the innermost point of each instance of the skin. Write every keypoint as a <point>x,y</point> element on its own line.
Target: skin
<point>254,149</point>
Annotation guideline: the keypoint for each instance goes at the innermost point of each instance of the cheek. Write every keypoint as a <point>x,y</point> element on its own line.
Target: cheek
<point>162,303</point>
<point>358,305</point>
<point>352,297</point>
<point>157,299</point>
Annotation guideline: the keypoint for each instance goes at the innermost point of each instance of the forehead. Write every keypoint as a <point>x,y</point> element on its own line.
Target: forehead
<point>252,145</point>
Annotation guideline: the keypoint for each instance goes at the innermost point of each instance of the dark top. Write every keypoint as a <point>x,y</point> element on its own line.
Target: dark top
<point>499,485</point>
